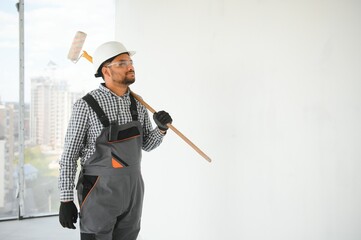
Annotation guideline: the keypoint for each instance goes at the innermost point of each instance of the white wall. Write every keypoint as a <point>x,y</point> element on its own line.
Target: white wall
<point>270,90</point>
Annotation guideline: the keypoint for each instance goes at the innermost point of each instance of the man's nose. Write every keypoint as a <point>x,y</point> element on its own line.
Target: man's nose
<point>130,67</point>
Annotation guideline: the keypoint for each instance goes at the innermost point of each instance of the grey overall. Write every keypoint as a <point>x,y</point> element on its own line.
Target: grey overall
<point>110,187</point>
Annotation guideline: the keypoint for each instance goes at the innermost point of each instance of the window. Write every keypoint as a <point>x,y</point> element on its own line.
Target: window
<point>52,84</point>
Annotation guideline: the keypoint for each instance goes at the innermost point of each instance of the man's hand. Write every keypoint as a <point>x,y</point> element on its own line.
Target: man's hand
<point>68,214</point>
<point>162,118</point>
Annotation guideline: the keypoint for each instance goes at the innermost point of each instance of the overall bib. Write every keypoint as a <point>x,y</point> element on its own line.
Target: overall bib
<point>110,187</point>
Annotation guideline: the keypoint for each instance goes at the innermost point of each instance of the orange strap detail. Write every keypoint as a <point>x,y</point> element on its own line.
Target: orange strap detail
<point>116,164</point>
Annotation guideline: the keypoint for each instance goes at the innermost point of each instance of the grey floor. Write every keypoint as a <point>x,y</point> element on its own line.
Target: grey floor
<point>44,228</point>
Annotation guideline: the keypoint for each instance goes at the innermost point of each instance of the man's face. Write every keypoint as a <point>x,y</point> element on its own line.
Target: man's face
<point>121,70</point>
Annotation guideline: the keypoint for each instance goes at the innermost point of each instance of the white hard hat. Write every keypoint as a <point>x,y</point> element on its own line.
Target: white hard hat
<point>106,51</point>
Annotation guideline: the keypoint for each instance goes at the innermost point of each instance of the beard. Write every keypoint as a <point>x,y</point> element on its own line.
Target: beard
<point>128,81</point>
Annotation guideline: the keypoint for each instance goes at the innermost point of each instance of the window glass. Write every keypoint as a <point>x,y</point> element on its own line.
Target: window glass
<point>9,97</point>
<point>52,84</point>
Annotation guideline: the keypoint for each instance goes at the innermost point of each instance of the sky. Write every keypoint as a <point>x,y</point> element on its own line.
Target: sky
<point>50,26</point>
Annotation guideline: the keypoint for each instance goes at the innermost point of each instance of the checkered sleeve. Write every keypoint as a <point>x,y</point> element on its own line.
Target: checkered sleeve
<point>152,138</point>
<point>74,142</point>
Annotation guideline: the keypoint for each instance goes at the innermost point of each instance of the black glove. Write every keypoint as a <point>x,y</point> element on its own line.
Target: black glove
<point>162,118</point>
<point>68,214</point>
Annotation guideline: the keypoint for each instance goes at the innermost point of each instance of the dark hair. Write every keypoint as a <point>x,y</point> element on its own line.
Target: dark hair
<point>99,72</point>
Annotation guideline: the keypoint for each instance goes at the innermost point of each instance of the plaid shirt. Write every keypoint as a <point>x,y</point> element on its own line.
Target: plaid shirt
<point>84,128</point>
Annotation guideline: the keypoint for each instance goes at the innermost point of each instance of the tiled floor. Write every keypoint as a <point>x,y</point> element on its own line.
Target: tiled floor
<point>45,228</point>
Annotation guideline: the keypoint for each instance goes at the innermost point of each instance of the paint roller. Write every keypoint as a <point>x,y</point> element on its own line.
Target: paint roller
<point>74,55</point>
<point>76,47</point>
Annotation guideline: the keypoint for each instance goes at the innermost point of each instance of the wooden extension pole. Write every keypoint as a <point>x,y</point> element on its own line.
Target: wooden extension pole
<point>173,128</point>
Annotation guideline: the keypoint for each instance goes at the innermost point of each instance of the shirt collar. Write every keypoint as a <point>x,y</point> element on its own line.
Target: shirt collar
<point>104,89</point>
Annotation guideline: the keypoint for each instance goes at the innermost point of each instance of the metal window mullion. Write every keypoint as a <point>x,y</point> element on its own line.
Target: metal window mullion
<point>21,110</point>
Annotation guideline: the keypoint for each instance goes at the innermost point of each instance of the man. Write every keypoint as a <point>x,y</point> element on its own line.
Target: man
<point>107,131</point>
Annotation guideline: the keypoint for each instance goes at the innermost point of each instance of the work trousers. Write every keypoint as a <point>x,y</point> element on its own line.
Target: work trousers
<point>112,209</point>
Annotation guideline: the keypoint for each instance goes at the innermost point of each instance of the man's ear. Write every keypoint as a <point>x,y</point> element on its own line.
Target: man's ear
<point>105,71</point>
